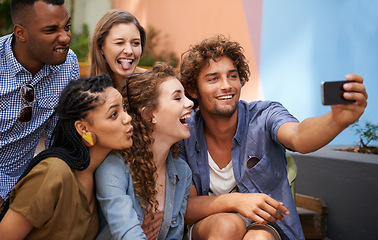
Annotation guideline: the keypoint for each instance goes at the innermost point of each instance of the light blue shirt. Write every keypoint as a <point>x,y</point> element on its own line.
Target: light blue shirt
<point>256,135</point>
<point>18,141</point>
<point>124,214</point>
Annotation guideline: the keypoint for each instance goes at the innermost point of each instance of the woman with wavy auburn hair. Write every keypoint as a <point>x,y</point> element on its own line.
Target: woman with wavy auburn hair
<point>143,190</point>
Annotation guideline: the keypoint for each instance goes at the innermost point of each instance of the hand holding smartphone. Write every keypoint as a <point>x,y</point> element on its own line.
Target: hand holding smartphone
<point>332,93</point>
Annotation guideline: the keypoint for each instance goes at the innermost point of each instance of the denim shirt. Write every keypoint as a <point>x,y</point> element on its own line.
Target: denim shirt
<point>124,214</point>
<point>256,135</point>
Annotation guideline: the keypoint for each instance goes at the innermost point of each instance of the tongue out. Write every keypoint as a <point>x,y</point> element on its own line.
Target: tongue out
<point>125,64</point>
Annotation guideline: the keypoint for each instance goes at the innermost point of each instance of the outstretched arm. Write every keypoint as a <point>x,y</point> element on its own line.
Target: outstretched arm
<point>316,132</point>
<point>258,207</point>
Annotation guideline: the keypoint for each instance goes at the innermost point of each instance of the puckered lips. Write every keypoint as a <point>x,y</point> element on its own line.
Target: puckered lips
<point>130,131</point>
<point>184,118</point>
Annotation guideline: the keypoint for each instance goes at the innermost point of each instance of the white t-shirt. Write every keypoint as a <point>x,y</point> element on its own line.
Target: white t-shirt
<point>222,181</point>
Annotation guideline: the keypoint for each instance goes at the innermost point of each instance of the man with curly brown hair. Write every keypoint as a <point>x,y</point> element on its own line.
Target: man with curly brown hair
<point>236,150</point>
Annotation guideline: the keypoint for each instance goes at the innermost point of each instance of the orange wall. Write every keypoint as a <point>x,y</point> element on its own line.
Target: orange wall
<point>189,21</point>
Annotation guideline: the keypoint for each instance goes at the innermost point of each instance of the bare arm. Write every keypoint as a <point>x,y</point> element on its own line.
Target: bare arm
<point>14,226</point>
<point>255,206</point>
<point>316,132</point>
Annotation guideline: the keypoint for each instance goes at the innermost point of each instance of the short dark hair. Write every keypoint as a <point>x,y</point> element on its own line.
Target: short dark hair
<point>213,48</point>
<point>17,6</point>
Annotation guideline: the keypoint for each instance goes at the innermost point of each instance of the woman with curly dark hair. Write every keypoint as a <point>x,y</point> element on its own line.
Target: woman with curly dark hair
<point>143,190</point>
<point>55,196</point>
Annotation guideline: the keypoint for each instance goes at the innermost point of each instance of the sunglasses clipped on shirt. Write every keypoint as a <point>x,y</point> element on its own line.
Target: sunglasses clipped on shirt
<point>27,93</point>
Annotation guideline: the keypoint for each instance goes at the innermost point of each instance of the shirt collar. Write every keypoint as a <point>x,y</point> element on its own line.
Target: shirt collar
<point>198,126</point>
<point>15,67</point>
<point>243,110</point>
<point>12,64</point>
<point>199,123</point>
<point>241,123</point>
<point>171,169</point>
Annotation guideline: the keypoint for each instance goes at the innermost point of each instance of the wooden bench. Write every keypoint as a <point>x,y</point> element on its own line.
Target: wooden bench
<point>85,69</point>
<point>313,216</point>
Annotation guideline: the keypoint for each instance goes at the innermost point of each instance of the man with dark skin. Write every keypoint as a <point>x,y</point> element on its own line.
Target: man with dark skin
<point>236,149</point>
<point>35,65</point>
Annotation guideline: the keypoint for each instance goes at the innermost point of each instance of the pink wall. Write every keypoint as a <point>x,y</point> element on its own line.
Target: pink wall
<point>187,22</point>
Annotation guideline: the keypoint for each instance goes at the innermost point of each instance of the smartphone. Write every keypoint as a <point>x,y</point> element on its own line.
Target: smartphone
<point>332,93</point>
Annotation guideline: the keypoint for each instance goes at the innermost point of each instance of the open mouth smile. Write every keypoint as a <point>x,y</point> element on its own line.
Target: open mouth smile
<point>184,119</point>
<point>125,63</point>
<point>225,97</point>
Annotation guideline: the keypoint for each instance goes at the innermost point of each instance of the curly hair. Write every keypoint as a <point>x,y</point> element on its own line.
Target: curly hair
<point>111,18</point>
<point>142,95</point>
<point>199,55</point>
